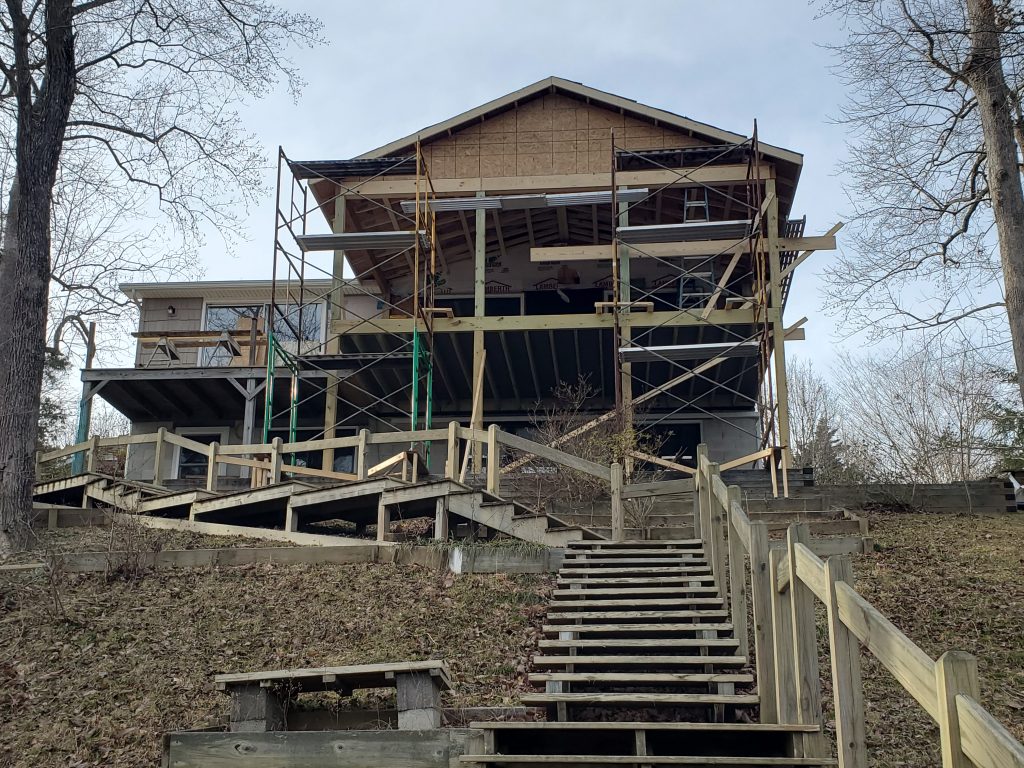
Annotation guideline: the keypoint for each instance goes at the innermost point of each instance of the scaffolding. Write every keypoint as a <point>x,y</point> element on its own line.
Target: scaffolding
<point>328,364</point>
<point>701,283</point>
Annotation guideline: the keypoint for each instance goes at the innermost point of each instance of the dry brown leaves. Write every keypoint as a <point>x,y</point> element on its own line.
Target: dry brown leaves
<point>950,582</point>
<point>133,660</point>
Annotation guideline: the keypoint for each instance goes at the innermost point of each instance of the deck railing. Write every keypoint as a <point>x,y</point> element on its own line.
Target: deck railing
<point>784,582</point>
<point>269,463</point>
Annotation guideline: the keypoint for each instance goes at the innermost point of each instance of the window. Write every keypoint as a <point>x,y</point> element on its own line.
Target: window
<point>192,464</point>
<point>288,325</point>
<point>290,322</point>
<point>229,318</point>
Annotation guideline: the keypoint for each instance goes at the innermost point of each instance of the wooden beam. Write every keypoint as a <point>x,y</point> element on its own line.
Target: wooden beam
<point>722,282</point>
<point>669,319</point>
<point>496,185</point>
<point>810,249</point>
<point>682,248</point>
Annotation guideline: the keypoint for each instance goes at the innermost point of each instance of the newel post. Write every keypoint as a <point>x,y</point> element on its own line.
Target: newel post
<point>805,646</point>
<point>211,466</point>
<point>955,672</point>
<point>93,456</point>
<point>761,597</point>
<point>364,439</point>
<point>847,689</point>
<point>493,459</point>
<point>699,481</point>
<point>158,456</point>
<point>451,467</point>
<point>275,460</point>
<point>618,511</point>
<point>737,574</point>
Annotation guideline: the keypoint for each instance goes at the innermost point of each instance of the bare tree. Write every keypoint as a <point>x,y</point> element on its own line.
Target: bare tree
<point>815,424</point>
<point>935,112</point>
<point>921,414</point>
<point>141,92</point>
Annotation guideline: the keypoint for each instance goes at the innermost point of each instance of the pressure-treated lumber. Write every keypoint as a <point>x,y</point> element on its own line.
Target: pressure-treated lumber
<point>847,688</point>
<point>696,760</point>
<point>805,646</point>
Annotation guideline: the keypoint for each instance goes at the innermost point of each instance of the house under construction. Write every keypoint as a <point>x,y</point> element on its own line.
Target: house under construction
<point>554,235</point>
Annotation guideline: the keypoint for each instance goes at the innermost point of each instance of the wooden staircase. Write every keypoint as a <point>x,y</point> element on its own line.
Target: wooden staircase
<point>293,504</point>
<point>640,667</point>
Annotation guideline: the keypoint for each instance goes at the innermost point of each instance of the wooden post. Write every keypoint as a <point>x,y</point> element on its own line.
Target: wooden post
<point>85,404</point>
<point>955,672</point>
<point>93,456</point>
<point>782,644</point>
<point>618,512</point>
<point>847,689</point>
<point>715,519</point>
<point>364,438</point>
<point>275,460</point>
<point>158,456</point>
<point>699,480</point>
<point>761,597</point>
<point>451,467</point>
<point>479,310</point>
<point>256,709</point>
<point>805,648</point>
<point>418,701</point>
<point>440,520</point>
<point>625,291</point>
<point>38,464</point>
<point>211,466</point>
<point>383,520</point>
<point>330,419</point>
<point>778,333</point>
<point>493,460</point>
<point>737,576</point>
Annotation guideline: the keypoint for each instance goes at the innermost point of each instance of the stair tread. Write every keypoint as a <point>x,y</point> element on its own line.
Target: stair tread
<point>700,699</point>
<point>572,570</point>
<point>663,581</point>
<point>624,561</point>
<point>638,602</point>
<point>625,660</point>
<point>642,677</point>
<point>642,543</point>
<point>642,642</point>
<point>648,759</point>
<point>696,614</point>
<point>690,627</point>
<point>600,550</point>
<point>571,594</point>
<point>586,725</point>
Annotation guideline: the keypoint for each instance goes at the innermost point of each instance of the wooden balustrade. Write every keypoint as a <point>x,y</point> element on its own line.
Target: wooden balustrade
<point>784,584</point>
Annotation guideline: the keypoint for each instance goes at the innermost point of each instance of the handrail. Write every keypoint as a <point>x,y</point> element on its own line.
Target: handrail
<point>786,641</point>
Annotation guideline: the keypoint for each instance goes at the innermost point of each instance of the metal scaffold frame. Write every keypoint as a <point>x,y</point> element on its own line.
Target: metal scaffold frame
<point>293,301</point>
<point>760,240</point>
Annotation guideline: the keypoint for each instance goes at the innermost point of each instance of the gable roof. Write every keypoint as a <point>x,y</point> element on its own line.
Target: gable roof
<point>578,90</point>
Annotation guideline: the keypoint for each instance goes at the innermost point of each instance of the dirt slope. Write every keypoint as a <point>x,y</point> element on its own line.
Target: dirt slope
<point>134,659</point>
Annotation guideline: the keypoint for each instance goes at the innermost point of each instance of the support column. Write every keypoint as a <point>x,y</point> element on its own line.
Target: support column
<point>625,334</point>
<point>419,701</point>
<point>479,310</point>
<point>335,311</point>
<point>85,405</point>
<point>249,419</point>
<point>778,333</point>
<point>255,709</point>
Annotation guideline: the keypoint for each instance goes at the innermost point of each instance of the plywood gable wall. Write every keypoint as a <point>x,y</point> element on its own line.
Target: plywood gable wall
<point>549,135</point>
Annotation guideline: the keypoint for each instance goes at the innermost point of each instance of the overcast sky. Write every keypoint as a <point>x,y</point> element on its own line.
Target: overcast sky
<point>392,67</point>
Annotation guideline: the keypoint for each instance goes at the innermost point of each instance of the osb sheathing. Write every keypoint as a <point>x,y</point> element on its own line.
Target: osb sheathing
<point>550,135</point>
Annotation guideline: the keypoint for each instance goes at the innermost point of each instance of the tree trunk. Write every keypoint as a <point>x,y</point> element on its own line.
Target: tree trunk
<point>984,74</point>
<point>25,259</point>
